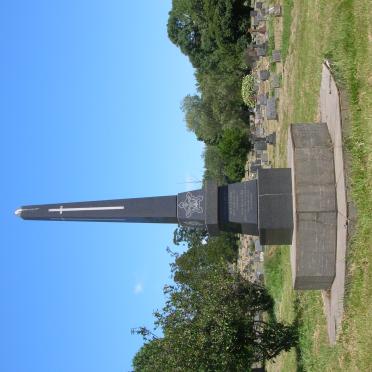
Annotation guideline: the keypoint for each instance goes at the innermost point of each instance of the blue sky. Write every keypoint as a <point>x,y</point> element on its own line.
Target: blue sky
<point>90,96</point>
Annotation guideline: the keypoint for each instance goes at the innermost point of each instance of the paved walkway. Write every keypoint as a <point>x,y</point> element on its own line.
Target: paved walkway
<point>331,113</point>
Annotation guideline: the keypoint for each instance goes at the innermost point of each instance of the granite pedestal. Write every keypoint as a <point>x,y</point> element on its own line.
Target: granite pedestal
<point>313,251</point>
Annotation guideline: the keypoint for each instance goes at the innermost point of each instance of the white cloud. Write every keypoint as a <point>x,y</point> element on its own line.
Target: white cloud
<point>138,288</point>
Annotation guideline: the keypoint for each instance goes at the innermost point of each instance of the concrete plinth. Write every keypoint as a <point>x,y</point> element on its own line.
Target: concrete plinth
<point>313,252</point>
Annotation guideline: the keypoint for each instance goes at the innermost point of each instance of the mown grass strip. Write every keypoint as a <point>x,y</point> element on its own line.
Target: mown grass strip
<point>287,7</point>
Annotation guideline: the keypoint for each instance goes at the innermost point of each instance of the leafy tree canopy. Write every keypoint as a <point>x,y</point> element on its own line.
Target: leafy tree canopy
<point>233,147</point>
<point>203,29</point>
<point>200,119</point>
<point>203,252</point>
<point>213,326</point>
<point>213,34</point>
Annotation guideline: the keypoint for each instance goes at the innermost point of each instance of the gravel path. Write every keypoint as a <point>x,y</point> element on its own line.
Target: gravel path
<point>331,112</point>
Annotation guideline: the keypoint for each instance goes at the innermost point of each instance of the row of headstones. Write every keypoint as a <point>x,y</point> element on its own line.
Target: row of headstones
<point>260,152</point>
<point>251,260</point>
<point>265,75</point>
<point>260,149</point>
<point>264,100</point>
<point>260,11</point>
<point>258,20</point>
<point>255,51</point>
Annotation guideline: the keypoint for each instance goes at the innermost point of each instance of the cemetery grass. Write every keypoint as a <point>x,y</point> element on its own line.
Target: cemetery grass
<point>287,21</point>
<point>271,39</point>
<point>342,32</point>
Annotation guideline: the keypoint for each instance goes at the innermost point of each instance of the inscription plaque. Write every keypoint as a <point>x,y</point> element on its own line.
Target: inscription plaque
<point>238,207</point>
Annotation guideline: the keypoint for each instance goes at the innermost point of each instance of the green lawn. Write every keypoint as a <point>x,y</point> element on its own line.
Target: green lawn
<point>287,21</point>
<point>341,31</point>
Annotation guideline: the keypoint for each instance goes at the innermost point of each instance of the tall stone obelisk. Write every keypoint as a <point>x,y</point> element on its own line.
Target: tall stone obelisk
<point>261,207</point>
<point>160,209</point>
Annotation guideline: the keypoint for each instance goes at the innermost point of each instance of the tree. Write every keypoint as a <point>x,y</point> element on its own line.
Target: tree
<point>185,27</point>
<point>203,252</point>
<point>150,357</point>
<point>222,92</point>
<point>190,236</point>
<point>214,165</point>
<point>200,119</point>
<point>234,146</point>
<point>203,29</point>
<point>213,327</point>
<point>213,34</point>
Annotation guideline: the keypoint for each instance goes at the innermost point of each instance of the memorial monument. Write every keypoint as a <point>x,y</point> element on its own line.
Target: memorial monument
<point>295,205</point>
<point>260,207</point>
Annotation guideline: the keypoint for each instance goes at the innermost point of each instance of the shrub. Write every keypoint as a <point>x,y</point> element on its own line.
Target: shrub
<point>248,90</point>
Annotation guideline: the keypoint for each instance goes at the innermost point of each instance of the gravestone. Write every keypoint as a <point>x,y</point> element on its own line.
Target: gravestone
<point>274,81</point>
<point>259,130</point>
<point>258,123</point>
<point>276,93</point>
<point>254,168</point>
<point>253,13</point>
<point>276,10</point>
<point>276,56</point>
<point>258,246</point>
<point>260,17</point>
<point>261,45</point>
<point>256,138</point>
<point>259,5</point>
<point>253,207</point>
<point>264,157</point>
<point>251,51</point>
<point>264,75</point>
<point>262,99</point>
<point>250,56</point>
<point>261,29</point>
<point>261,155</point>
<point>257,162</point>
<point>262,51</point>
<point>271,113</point>
<point>271,138</point>
<point>258,119</point>
<point>260,145</point>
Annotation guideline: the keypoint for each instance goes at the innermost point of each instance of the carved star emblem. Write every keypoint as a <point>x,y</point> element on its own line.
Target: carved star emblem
<point>192,204</point>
